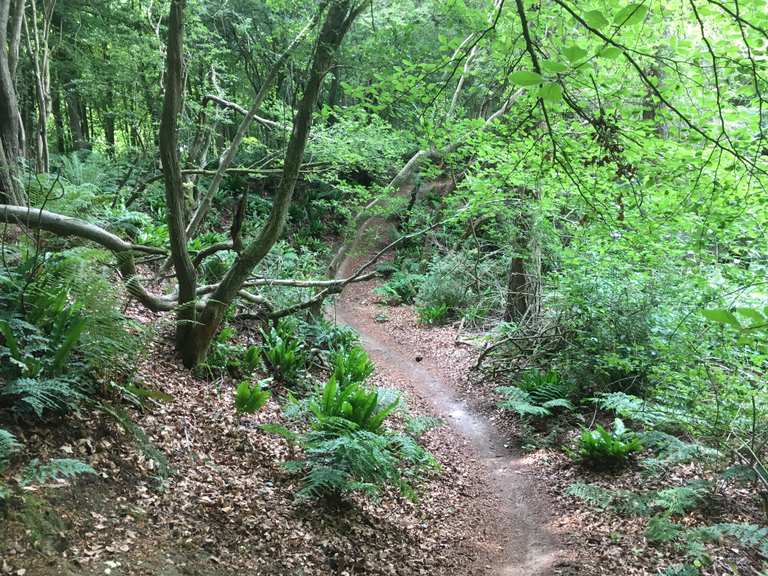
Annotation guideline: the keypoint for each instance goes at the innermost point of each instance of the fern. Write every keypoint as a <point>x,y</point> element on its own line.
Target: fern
<point>339,464</point>
<point>662,529</point>
<point>669,501</point>
<point>44,394</point>
<point>57,469</point>
<point>673,451</point>
<point>749,535</point>
<point>8,446</point>
<point>637,409</point>
<point>624,502</point>
<point>681,499</point>
<point>523,403</point>
<point>593,494</point>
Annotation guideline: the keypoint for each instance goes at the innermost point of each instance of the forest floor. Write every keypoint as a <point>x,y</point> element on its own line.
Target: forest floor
<point>220,503</point>
<point>225,505</point>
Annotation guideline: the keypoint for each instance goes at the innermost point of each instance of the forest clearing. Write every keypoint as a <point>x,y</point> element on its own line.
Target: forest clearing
<point>398,287</point>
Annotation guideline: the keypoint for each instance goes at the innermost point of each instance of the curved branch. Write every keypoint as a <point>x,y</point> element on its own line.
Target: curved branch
<point>219,101</point>
<point>61,225</point>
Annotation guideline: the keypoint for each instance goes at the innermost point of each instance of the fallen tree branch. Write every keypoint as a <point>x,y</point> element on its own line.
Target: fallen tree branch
<point>242,111</point>
<point>39,219</point>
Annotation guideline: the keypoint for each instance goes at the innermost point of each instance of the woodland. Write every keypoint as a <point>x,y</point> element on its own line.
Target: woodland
<point>383,287</point>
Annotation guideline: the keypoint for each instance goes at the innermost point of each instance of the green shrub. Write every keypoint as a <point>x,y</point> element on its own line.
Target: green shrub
<point>351,407</point>
<point>329,336</point>
<point>227,357</point>
<point>283,353</point>
<point>60,328</point>
<point>350,366</point>
<point>432,315</point>
<point>250,397</point>
<point>601,448</point>
<point>539,394</point>
<point>401,288</point>
<point>349,449</point>
<point>360,461</point>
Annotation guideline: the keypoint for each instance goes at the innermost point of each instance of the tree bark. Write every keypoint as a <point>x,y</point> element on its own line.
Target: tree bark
<point>340,16</point>
<point>76,131</point>
<point>10,118</point>
<point>37,47</point>
<point>186,275</point>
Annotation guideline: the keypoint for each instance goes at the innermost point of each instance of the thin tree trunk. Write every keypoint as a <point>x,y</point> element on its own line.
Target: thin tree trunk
<point>340,16</point>
<point>108,119</point>
<point>37,47</point>
<point>75,119</point>
<point>10,117</point>
<point>58,121</point>
<point>174,195</point>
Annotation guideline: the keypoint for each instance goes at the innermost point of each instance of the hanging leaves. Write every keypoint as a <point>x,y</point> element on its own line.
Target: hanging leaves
<point>525,78</point>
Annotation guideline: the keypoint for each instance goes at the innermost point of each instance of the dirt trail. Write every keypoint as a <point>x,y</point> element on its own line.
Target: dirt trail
<point>516,521</point>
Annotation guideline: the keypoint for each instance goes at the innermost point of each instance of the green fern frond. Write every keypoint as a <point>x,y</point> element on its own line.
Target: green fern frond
<point>662,529</point>
<point>681,499</point>
<point>673,451</point>
<point>57,469</point>
<point>518,400</point>
<point>593,494</point>
<point>44,394</point>
<point>749,535</point>
<point>634,408</point>
<point>623,502</point>
<point>8,446</point>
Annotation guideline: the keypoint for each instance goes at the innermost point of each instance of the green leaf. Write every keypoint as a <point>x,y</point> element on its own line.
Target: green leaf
<point>610,52</point>
<point>752,314</point>
<point>630,15</point>
<point>596,19</point>
<point>554,67</point>
<point>574,53</point>
<point>525,78</point>
<point>722,316</point>
<point>551,92</point>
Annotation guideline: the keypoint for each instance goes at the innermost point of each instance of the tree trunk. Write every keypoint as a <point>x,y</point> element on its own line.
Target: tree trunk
<point>108,119</point>
<point>174,194</point>
<point>10,118</point>
<point>524,273</point>
<point>58,121</point>
<point>340,16</point>
<point>75,119</point>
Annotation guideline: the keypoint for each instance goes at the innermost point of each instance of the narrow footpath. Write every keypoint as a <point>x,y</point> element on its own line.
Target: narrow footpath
<point>427,366</point>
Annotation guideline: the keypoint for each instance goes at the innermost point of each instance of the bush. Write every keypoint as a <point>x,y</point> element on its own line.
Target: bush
<point>350,366</point>
<point>432,315</point>
<point>328,336</point>
<point>282,352</point>
<point>349,408</point>
<point>250,397</point>
<point>603,449</point>
<point>539,394</point>
<point>462,283</point>
<point>57,334</point>
<point>348,448</point>
<point>227,357</point>
<point>401,288</point>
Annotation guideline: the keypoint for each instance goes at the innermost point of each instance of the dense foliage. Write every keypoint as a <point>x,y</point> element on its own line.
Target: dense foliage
<point>580,186</point>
